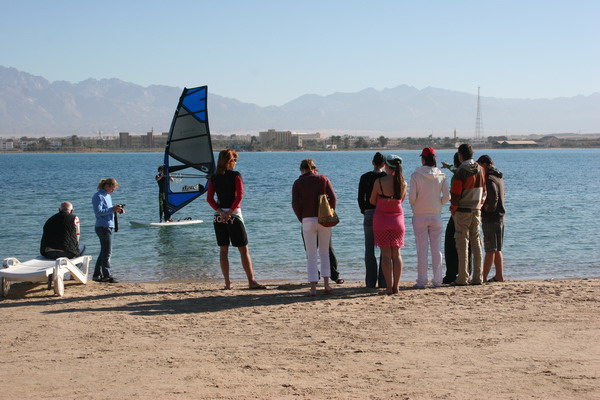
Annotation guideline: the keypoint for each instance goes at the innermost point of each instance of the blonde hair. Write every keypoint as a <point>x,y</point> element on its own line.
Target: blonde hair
<point>112,182</point>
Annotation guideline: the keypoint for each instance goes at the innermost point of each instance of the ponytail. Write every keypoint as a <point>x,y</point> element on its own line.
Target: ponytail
<point>399,184</point>
<point>112,182</point>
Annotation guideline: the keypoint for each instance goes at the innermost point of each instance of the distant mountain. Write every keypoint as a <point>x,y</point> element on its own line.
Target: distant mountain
<point>32,106</point>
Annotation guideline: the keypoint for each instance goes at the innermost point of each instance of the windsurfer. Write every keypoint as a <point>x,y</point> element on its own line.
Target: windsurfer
<point>162,192</point>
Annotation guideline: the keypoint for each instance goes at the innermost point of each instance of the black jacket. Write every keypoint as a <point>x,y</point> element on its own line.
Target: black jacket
<point>60,233</point>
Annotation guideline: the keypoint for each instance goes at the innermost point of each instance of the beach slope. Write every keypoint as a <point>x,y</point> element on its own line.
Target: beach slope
<point>190,340</point>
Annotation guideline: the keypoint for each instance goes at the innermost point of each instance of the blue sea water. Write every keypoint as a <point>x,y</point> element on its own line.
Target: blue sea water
<point>551,226</point>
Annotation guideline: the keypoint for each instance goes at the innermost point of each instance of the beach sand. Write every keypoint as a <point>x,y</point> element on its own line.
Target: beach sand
<point>190,340</point>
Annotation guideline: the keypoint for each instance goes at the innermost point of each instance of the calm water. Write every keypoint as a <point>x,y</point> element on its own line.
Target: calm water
<point>552,201</point>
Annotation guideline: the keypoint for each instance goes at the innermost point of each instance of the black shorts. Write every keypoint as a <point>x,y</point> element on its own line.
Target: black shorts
<point>232,232</point>
<point>493,235</point>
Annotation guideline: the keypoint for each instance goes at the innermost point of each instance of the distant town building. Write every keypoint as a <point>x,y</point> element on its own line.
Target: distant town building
<point>312,136</point>
<point>517,143</point>
<point>274,137</point>
<point>124,140</point>
<point>6,145</point>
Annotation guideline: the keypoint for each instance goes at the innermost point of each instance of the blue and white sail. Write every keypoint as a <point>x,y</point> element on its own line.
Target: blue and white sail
<point>189,160</point>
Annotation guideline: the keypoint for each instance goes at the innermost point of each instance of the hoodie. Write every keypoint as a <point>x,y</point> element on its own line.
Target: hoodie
<point>428,191</point>
<point>468,188</point>
<point>493,207</point>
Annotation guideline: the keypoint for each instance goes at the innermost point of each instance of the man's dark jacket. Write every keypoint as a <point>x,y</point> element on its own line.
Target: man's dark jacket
<point>60,233</point>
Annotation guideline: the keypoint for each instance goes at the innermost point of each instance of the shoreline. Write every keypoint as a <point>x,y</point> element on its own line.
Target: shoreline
<point>217,149</point>
<point>178,340</point>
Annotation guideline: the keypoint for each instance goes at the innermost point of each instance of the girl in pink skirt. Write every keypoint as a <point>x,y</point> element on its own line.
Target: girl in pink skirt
<point>388,220</point>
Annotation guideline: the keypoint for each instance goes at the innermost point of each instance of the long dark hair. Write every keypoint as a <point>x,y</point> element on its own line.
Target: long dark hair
<point>225,161</point>
<point>399,186</point>
<point>429,160</point>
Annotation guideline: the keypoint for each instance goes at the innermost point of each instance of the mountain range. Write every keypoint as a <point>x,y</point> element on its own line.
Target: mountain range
<point>32,106</point>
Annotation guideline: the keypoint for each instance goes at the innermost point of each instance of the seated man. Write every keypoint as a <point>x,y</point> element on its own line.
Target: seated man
<point>61,235</point>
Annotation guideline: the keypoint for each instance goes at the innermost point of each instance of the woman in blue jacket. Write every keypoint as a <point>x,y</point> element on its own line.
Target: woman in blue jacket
<point>105,225</point>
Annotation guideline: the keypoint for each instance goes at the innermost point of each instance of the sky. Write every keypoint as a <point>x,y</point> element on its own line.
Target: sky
<point>269,52</point>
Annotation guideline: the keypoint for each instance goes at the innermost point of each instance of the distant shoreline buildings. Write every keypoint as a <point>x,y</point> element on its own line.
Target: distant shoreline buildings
<point>287,140</point>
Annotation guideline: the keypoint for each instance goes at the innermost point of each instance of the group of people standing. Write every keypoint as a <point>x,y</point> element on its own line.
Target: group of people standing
<point>476,196</point>
<point>476,193</point>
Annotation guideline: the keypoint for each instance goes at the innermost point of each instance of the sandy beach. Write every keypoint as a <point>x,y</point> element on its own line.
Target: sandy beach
<point>190,340</point>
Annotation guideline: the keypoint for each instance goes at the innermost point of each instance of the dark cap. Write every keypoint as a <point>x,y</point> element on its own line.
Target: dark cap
<point>485,159</point>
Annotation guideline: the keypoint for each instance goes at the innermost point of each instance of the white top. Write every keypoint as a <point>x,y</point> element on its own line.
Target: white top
<point>428,191</point>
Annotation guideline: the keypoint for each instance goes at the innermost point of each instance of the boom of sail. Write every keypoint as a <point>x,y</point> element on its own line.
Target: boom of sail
<point>189,160</point>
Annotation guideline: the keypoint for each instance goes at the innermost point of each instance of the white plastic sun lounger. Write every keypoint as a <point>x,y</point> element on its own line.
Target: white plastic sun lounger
<point>42,269</point>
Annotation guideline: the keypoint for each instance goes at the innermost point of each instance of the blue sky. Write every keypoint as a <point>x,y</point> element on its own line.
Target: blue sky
<point>269,52</point>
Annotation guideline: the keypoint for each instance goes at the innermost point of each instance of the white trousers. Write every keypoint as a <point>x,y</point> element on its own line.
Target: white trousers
<point>428,233</point>
<point>316,242</point>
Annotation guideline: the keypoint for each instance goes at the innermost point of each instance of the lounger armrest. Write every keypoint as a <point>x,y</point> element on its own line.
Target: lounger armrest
<point>64,265</point>
<point>9,262</point>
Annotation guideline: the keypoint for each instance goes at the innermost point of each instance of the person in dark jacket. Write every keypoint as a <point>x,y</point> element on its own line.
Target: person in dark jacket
<point>60,237</point>
<point>365,188</point>
<point>492,220</point>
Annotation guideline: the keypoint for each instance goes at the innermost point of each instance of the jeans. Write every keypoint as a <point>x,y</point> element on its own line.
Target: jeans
<point>428,233</point>
<point>53,255</point>
<point>374,274</point>
<point>102,269</point>
<point>313,231</point>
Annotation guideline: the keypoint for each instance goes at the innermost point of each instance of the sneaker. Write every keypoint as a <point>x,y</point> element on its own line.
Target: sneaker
<point>97,278</point>
<point>109,279</point>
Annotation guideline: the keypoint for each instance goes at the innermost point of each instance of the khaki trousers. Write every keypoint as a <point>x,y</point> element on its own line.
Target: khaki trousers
<point>467,234</point>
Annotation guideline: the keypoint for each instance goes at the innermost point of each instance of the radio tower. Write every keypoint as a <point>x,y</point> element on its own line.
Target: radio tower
<point>478,125</point>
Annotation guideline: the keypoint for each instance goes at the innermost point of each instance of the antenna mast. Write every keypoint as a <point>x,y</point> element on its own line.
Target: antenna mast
<point>478,125</point>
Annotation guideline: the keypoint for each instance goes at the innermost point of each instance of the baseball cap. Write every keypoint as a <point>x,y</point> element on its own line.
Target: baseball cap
<point>390,158</point>
<point>428,151</point>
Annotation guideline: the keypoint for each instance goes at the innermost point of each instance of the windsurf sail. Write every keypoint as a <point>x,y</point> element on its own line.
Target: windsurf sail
<point>189,160</point>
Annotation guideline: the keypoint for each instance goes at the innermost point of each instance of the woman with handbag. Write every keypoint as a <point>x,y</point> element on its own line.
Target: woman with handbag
<point>388,220</point>
<point>306,195</point>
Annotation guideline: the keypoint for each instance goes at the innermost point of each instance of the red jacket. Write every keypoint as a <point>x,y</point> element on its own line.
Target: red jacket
<point>305,194</point>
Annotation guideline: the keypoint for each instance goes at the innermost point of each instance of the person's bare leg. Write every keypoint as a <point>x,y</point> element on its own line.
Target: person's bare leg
<point>326,285</point>
<point>247,264</point>
<point>487,264</point>
<point>386,265</point>
<point>224,261</point>
<point>499,264</point>
<point>397,268</point>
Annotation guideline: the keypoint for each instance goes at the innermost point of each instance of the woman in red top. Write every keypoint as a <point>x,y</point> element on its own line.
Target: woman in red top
<point>305,202</point>
<point>228,221</point>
